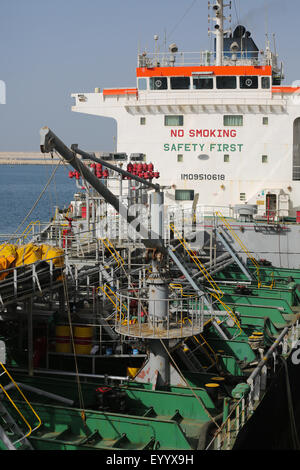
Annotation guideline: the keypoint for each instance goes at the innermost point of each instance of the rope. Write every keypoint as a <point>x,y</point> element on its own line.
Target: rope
<point>80,394</point>
<point>188,385</point>
<point>181,19</point>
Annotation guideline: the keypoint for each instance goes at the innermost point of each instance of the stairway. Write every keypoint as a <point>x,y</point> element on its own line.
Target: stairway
<point>221,236</point>
<point>11,435</point>
<point>189,359</point>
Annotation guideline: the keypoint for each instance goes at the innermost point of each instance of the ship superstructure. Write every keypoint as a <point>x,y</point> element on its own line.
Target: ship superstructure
<point>218,124</point>
<point>132,322</point>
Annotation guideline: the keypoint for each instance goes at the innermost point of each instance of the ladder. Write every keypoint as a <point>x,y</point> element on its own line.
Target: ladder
<point>11,434</point>
<point>190,360</point>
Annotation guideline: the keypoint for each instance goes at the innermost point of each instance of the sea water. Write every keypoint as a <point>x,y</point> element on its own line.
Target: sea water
<point>21,186</point>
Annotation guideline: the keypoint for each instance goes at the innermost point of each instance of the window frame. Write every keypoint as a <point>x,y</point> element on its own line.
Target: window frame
<point>204,77</point>
<point>191,191</point>
<point>180,77</point>
<point>152,81</point>
<point>146,81</point>
<point>173,115</point>
<point>235,124</point>
<point>261,83</point>
<point>247,77</point>
<point>219,77</point>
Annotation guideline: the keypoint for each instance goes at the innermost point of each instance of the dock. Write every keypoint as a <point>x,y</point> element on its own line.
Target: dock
<point>31,158</point>
<point>27,158</point>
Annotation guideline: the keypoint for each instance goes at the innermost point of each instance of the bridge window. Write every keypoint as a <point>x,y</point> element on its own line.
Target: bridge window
<point>180,157</point>
<point>203,83</point>
<point>232,120</point>
<point>142,121</point>
<point>226,158</point>
<point>226,82</point>
<point>264,158</point>
<point>265,82</point>
<point>142,83</point>
<point>265,120</point>
<point>180,83</point>
<point>158,83</point>
<point>184,195</point>
<point>174,120</point>
<point>249,82</point>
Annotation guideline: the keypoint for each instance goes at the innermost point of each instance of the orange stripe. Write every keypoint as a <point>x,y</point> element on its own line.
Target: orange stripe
<point>285,89</point>
<point>217,70</point>
<point>120,91</point>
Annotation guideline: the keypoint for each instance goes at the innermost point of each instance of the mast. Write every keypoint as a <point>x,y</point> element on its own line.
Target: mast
<point>218,10</point>
<point>219,31</point>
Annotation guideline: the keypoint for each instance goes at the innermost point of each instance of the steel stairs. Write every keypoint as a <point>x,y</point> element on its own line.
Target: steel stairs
<point>11,435</point>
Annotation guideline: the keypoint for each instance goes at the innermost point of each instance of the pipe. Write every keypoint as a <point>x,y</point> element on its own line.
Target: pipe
<point>267,355</point>
<point>74,374</point>
<point>50,142</point>
<point>91,156</point>
<point>67,401</point>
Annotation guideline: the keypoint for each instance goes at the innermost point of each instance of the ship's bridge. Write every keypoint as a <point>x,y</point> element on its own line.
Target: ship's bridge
<point>230,77</point>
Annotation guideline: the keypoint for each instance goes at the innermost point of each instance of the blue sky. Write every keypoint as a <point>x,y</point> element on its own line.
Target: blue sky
<point>50,49</point>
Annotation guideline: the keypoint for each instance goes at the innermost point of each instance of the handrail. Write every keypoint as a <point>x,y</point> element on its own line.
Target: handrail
<point>198,263</point>
<point>28,229</point>
<point>244,248</point>
<point>122,262</point>
<point>15,406</point>
<point>211,281</point>
<point>115,305</point>
<point>205,342</point>
<point>179,286</point>
<point>229,311</point>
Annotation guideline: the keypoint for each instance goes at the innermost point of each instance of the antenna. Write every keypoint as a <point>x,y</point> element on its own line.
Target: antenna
<point>218,10</point>
<point>156,50</point>
<point>274,42</point>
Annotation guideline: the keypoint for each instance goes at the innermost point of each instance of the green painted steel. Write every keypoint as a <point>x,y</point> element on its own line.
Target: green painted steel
<point>287,294</point>
<point>168,419</point>
<point>238,349</point>
<point>65,427</point>
<point>258,301</point>
<point>267,274</point>
<point>247,311</point>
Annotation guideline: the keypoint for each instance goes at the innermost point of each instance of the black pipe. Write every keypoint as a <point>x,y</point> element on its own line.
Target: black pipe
<point>50,142</point>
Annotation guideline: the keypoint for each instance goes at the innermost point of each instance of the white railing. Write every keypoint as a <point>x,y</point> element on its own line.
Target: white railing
<point>251,396</point>
<point>134,316</point>
<point>14,279</point>
<point>201,58</point>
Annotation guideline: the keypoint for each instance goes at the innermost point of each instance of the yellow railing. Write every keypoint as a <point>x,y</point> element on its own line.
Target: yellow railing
<point>198,263</point>
<point>217,291</point>
<point>103,288</point>
<point>28,230</point>
<point>179,286</point>
<point>213,361</point>
<point>15,406</point>
<point>115,254</point>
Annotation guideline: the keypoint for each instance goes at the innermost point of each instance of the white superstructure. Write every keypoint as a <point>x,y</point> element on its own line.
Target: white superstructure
<point>217,124</point>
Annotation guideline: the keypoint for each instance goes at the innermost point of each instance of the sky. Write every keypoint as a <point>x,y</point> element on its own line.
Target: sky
<point>51,49</point>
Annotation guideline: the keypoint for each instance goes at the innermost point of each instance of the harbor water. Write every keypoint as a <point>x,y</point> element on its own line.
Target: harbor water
<point>21,186</point>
